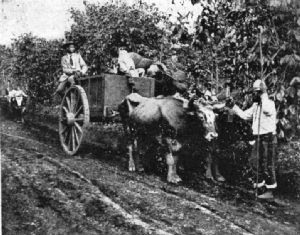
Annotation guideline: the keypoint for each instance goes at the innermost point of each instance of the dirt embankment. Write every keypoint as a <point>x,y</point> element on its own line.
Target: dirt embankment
<point>47,192</point>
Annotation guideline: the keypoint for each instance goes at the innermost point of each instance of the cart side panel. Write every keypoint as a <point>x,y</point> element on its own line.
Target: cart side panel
<point>94,87</point>
<point>116,89</point>
<point>145,86</point>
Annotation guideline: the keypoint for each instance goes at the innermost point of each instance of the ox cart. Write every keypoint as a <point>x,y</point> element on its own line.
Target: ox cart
<point>94,99</point>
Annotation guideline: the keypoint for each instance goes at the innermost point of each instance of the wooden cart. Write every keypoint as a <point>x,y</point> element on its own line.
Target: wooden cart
<point>94,98</point>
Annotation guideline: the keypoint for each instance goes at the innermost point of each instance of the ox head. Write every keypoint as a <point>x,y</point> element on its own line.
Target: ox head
<point>156,68</point>
<point>166,82</point>
<point>206,117</point>
<point>18,101</point>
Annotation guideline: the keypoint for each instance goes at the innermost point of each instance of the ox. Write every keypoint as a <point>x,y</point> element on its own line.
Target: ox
<point>166,121</point>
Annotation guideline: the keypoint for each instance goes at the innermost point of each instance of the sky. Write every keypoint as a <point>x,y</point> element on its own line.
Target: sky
<point>50,18</point>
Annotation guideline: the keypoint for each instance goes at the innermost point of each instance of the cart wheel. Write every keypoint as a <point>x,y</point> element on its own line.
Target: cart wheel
<point>74,115</point>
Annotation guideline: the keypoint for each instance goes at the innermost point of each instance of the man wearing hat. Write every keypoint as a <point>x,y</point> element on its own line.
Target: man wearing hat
<point>208,91</point>
<point>73,66</point>
<point>263,116</point>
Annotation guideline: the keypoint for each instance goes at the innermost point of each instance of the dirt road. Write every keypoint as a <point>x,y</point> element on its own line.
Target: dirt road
<point>46,192</point>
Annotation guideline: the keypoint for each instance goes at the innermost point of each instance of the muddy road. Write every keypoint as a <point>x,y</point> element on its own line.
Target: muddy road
<point>46,192</point>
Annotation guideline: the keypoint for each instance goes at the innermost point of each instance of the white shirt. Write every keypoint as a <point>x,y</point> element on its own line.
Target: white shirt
<point>78,63</point>
<point>125,62</point>
<point>267,118</point>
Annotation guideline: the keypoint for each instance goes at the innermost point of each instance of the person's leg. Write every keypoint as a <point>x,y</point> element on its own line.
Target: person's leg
<point>264,157</point>
<point>60,88</point>
<point>269,174</point>
<point>255,162</point>
<point>71,80</point>
<point>271,182</point>
<point>215,158</point>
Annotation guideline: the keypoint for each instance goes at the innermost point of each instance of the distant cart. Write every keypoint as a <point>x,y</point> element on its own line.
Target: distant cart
<point>94,99</point>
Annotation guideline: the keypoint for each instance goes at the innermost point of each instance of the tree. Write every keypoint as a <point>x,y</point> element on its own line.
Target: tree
<point>6,65</point>
<point>226,43</point>
<point>100,28</point>
<point>37,64</point>
<point>230,36</point>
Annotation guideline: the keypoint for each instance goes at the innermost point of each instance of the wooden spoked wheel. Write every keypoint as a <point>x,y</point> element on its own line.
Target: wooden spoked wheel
<point>74,115</point>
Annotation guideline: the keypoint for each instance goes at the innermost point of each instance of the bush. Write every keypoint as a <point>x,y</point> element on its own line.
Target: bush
<point>37,64</point>
<point>102,27</point>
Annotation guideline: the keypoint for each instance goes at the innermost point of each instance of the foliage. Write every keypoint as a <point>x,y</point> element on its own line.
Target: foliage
<point>229,40</point>
<point>100,28</point>
<point>226,42</point>
<point>37,64</point>
<point>6,65</point>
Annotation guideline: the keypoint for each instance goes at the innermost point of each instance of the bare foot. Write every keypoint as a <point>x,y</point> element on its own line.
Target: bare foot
<point>208,175</point>
<point>131,166</point>
<point>174,178</point>
<point>220,178</point>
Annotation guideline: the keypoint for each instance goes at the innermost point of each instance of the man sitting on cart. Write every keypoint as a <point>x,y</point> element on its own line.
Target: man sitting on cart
<point>73,66</point>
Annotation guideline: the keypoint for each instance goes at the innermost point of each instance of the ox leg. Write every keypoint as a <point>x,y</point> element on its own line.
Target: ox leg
<point>172,175</point>
<point>219,177</point>
<point>176,176</point>
<point>172,160</point>
<point>22,115</point>
<point>131,164</point>
<point>209,161</point>
<point>138,163</point>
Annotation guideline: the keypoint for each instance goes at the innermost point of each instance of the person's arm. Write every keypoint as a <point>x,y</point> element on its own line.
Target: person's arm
<point>123,67</point>
<point>23,93</point>
<point>83,65</point>
<point>246,115</point>
<point>65,67</point>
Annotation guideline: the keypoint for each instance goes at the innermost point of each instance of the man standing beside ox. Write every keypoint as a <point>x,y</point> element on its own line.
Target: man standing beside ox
<point>263,116</point>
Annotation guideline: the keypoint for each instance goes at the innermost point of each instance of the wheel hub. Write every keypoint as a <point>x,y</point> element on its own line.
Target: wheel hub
<point>70,118</point>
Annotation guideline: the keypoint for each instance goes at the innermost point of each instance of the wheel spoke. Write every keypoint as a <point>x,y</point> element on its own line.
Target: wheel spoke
<point>77,101</point>
<point>72,101</point>
<point>79,119</point>
<point>78,111</point>
<point>73,138</point>
<point>76,135</point>
<point>68,103</point>
<point>65,109</point>
<point>70,140</point>
<point>78,127</point>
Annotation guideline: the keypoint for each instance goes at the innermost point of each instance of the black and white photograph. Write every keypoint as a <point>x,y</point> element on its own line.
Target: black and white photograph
<point>145,117</point>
